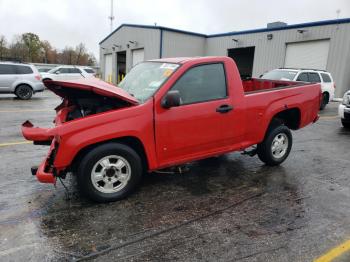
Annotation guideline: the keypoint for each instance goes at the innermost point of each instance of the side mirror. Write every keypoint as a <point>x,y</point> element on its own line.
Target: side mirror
<point>171,99</point>
<point>57,72</point>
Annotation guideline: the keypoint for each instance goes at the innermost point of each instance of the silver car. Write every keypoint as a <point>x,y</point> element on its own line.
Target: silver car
<point>23,80</point>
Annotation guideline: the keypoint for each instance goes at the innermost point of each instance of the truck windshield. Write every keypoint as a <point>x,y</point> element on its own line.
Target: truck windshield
<point>146,78</point>
<point>280,75</point>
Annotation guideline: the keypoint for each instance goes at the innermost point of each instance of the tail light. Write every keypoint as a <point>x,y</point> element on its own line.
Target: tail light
<point>38,77</point>
<point>334,85</point>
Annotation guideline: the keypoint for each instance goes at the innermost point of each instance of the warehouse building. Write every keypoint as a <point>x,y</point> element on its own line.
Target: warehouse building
<point>318,45</point>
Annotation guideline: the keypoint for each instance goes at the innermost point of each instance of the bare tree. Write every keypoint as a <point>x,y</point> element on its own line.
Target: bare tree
<point>3,48</point>
<point>29,48</point>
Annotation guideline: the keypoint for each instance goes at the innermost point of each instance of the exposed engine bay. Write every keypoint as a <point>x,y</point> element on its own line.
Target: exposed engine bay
<point>90,106</point>
<point>82,103</point>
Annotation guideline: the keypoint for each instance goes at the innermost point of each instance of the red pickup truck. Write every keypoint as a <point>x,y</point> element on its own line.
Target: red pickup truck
<point>165,113</point>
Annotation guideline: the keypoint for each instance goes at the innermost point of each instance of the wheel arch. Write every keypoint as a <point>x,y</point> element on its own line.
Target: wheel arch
<point>290,117</point>
<point>131,141</point>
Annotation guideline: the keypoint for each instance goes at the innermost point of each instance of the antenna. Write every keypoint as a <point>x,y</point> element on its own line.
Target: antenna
<point>111,17</point>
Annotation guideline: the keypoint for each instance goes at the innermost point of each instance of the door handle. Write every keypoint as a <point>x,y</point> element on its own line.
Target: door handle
<point>224,109</point>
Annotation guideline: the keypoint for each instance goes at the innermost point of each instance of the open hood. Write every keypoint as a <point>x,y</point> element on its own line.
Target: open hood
<point>91,84</point>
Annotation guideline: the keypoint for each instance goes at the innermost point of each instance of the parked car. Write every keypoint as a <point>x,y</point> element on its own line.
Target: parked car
<point>23,80</point>
<point>344,110</point>
<point>89,70</point>
<point>307,75</point>
<point>165,113</point>
<point>65,73</point>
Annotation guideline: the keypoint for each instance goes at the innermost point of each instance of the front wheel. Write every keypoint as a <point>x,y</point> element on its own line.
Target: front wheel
<point>276,146</point>
<point>109,172</point>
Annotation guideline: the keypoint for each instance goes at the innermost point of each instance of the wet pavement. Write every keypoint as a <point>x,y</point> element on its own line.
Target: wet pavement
<point>230,208</point>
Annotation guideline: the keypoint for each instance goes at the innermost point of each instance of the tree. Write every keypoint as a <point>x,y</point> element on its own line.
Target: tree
<point>80,50</point>
<point>3,47</point>
<point>17,49</point>
<point>28,48</point>
<point>49,54</point>
<point>67,56</point>
<point>33,44</point>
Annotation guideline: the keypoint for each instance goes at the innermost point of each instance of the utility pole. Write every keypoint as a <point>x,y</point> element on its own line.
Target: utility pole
<point>111,17</point>
<point>338,13</point>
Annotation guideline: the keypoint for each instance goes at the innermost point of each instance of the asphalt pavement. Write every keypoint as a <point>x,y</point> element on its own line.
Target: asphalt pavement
<point>229,208</point>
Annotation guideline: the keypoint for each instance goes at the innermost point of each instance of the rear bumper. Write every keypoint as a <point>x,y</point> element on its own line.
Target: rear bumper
<point>38,87</point>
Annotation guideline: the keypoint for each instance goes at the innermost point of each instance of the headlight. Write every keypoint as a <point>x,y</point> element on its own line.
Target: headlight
<point>346,98</point>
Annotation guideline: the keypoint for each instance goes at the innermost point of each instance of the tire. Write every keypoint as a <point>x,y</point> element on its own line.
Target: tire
<point>275,135</point>
<point>112,180</point>
<point>24,92</point>
<point>345,124</point>
<point>325,100</point>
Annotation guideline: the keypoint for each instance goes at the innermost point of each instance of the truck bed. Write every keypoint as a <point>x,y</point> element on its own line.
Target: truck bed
<point>258,85</point>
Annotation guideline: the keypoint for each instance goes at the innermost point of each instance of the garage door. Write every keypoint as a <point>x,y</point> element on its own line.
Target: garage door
<point>311,54</point>
<point>138,55</point>
<point>108,68</point>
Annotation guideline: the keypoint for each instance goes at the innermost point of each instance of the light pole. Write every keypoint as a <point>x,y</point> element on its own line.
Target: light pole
<point>111,17</point>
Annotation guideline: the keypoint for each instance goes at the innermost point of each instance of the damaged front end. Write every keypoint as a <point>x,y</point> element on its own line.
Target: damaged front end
<point>81,98</point>
<point>46,171</point>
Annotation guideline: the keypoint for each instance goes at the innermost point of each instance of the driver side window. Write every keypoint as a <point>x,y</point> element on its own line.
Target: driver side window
<point>202,83</point>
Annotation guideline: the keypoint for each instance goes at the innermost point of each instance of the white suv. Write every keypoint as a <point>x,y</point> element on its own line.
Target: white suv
<point>23,80</point>
<point>306,75</point>
<point>65,73</point>
<point>344,110</point>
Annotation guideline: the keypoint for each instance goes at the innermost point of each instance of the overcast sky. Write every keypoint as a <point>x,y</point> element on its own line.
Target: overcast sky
<point>69,22</point>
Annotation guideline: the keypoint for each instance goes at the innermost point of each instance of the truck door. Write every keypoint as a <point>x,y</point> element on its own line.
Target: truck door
<point>199,125</point>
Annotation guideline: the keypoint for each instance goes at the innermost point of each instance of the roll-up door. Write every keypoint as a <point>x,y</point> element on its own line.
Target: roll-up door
<point>311,54</point>
<point>108,68</point>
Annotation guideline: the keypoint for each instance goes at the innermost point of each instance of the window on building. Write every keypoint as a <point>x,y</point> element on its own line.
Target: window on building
<point>202,83</point>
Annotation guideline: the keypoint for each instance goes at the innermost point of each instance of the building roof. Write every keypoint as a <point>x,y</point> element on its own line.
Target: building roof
<point>252,31</point>
<point>153,27</point>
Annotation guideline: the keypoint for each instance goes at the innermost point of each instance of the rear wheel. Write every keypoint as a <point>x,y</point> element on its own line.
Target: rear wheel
<point>345,124</point>
<point>276,146</point>
<point>325,100</point>
<point>24,92</point>
<point>109,172</point>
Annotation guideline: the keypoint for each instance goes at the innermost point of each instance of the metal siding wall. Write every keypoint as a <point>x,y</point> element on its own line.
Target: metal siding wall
<point>149,39</point>
<point>182,45</point>
<point>270,54</point>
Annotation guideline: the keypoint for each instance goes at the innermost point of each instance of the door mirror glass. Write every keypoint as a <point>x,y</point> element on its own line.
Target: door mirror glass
<point>171,99</point>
